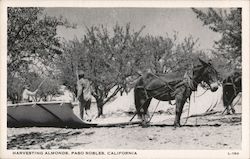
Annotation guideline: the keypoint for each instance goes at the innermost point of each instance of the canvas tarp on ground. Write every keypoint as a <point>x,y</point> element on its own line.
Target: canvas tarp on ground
<point>203,101</point>
<point>49,114</point>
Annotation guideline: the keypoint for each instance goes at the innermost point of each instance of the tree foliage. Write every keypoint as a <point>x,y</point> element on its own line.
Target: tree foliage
<point>48,89</point>
<point>32,39</point>
<point>31,35</point>
<point>228,23</point>
<point>14,90</point>
<point>103,57</point>
<point>67,64</point>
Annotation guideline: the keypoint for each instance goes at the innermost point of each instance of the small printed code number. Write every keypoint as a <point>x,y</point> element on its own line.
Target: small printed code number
<point>233,153</point>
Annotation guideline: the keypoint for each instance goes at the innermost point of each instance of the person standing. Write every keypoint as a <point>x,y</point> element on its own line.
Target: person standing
<point>27,95</point>
<point>83,94</point>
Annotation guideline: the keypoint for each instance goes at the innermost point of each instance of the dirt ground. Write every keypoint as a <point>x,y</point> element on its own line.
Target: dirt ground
<point>214,131</point>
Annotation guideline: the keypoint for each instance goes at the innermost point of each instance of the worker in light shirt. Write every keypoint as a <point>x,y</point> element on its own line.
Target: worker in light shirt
<point>84,95</point>
<point>28,96</point>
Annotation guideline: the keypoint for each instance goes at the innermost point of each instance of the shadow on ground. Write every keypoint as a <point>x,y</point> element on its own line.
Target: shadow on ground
<point>24,141</point>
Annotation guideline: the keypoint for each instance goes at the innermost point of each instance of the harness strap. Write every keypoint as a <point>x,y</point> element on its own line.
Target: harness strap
<point>144,101</point>
<point>189,81</point>
<point>163,81</point>
<point>228,83</point>
<point>146,93</point>
<point>154,112</point>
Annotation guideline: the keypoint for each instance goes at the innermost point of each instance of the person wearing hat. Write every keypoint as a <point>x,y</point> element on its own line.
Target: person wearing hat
<point>28,96</point>
<point>83,94</point>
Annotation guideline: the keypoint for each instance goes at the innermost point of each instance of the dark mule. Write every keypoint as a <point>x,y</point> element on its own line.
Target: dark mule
<point>231,88</point>
<point>167,87</point>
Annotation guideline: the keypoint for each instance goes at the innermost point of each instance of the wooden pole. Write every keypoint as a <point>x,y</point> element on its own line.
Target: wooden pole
<point>41,84</point>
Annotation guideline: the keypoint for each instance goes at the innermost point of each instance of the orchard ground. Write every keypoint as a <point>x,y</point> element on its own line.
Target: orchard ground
<point>214,131</point>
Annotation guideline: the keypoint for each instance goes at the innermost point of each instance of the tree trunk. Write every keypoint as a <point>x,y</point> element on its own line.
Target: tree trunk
<point>100,104</point>
<point>100,99</point>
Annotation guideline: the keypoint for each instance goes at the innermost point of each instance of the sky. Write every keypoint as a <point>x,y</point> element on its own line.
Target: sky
<point>158,22</point>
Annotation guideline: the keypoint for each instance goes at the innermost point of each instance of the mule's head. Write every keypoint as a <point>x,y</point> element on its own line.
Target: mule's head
<point>209,75</point>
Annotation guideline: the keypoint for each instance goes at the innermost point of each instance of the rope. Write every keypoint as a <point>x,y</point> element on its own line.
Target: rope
<point>154,111</point>
<point>189,81</point>
<point>163,82</point>
<point>188,111</point>
<point>41,84</point>
<point>231,106</point>
<point>202,93</point>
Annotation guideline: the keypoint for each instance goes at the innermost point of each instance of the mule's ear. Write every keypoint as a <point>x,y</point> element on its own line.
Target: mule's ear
<point>202,62</point>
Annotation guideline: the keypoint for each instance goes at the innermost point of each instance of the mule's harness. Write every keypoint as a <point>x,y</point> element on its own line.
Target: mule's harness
<point>147,97</point>
<point>188,81</point>
<point>191,82</point>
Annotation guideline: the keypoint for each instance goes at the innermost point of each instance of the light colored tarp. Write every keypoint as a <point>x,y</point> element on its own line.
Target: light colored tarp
<point>203,101</point>
<point>49,114</point>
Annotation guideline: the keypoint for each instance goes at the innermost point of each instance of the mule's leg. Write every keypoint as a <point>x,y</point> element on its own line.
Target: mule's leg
<point>141,104</point>
<point>139,100</point>
<point>147,116</point>
<point>145,112</point>
<point>228,96</point>
<point>228,109</point>
<point>180,101</point>
<point>141,111</point>
<point>231,105</point>
<point>81,108</point>
<point>224,99</point>
<point>233,110</point>
<point>226,103</point>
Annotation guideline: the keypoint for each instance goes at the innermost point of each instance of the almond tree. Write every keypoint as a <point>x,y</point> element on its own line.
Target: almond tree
<point>227,22</point>
<point>104,57</point>
<point>31,37</point>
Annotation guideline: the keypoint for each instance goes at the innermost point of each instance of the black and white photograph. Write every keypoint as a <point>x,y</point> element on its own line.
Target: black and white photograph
<point>124,81</point>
